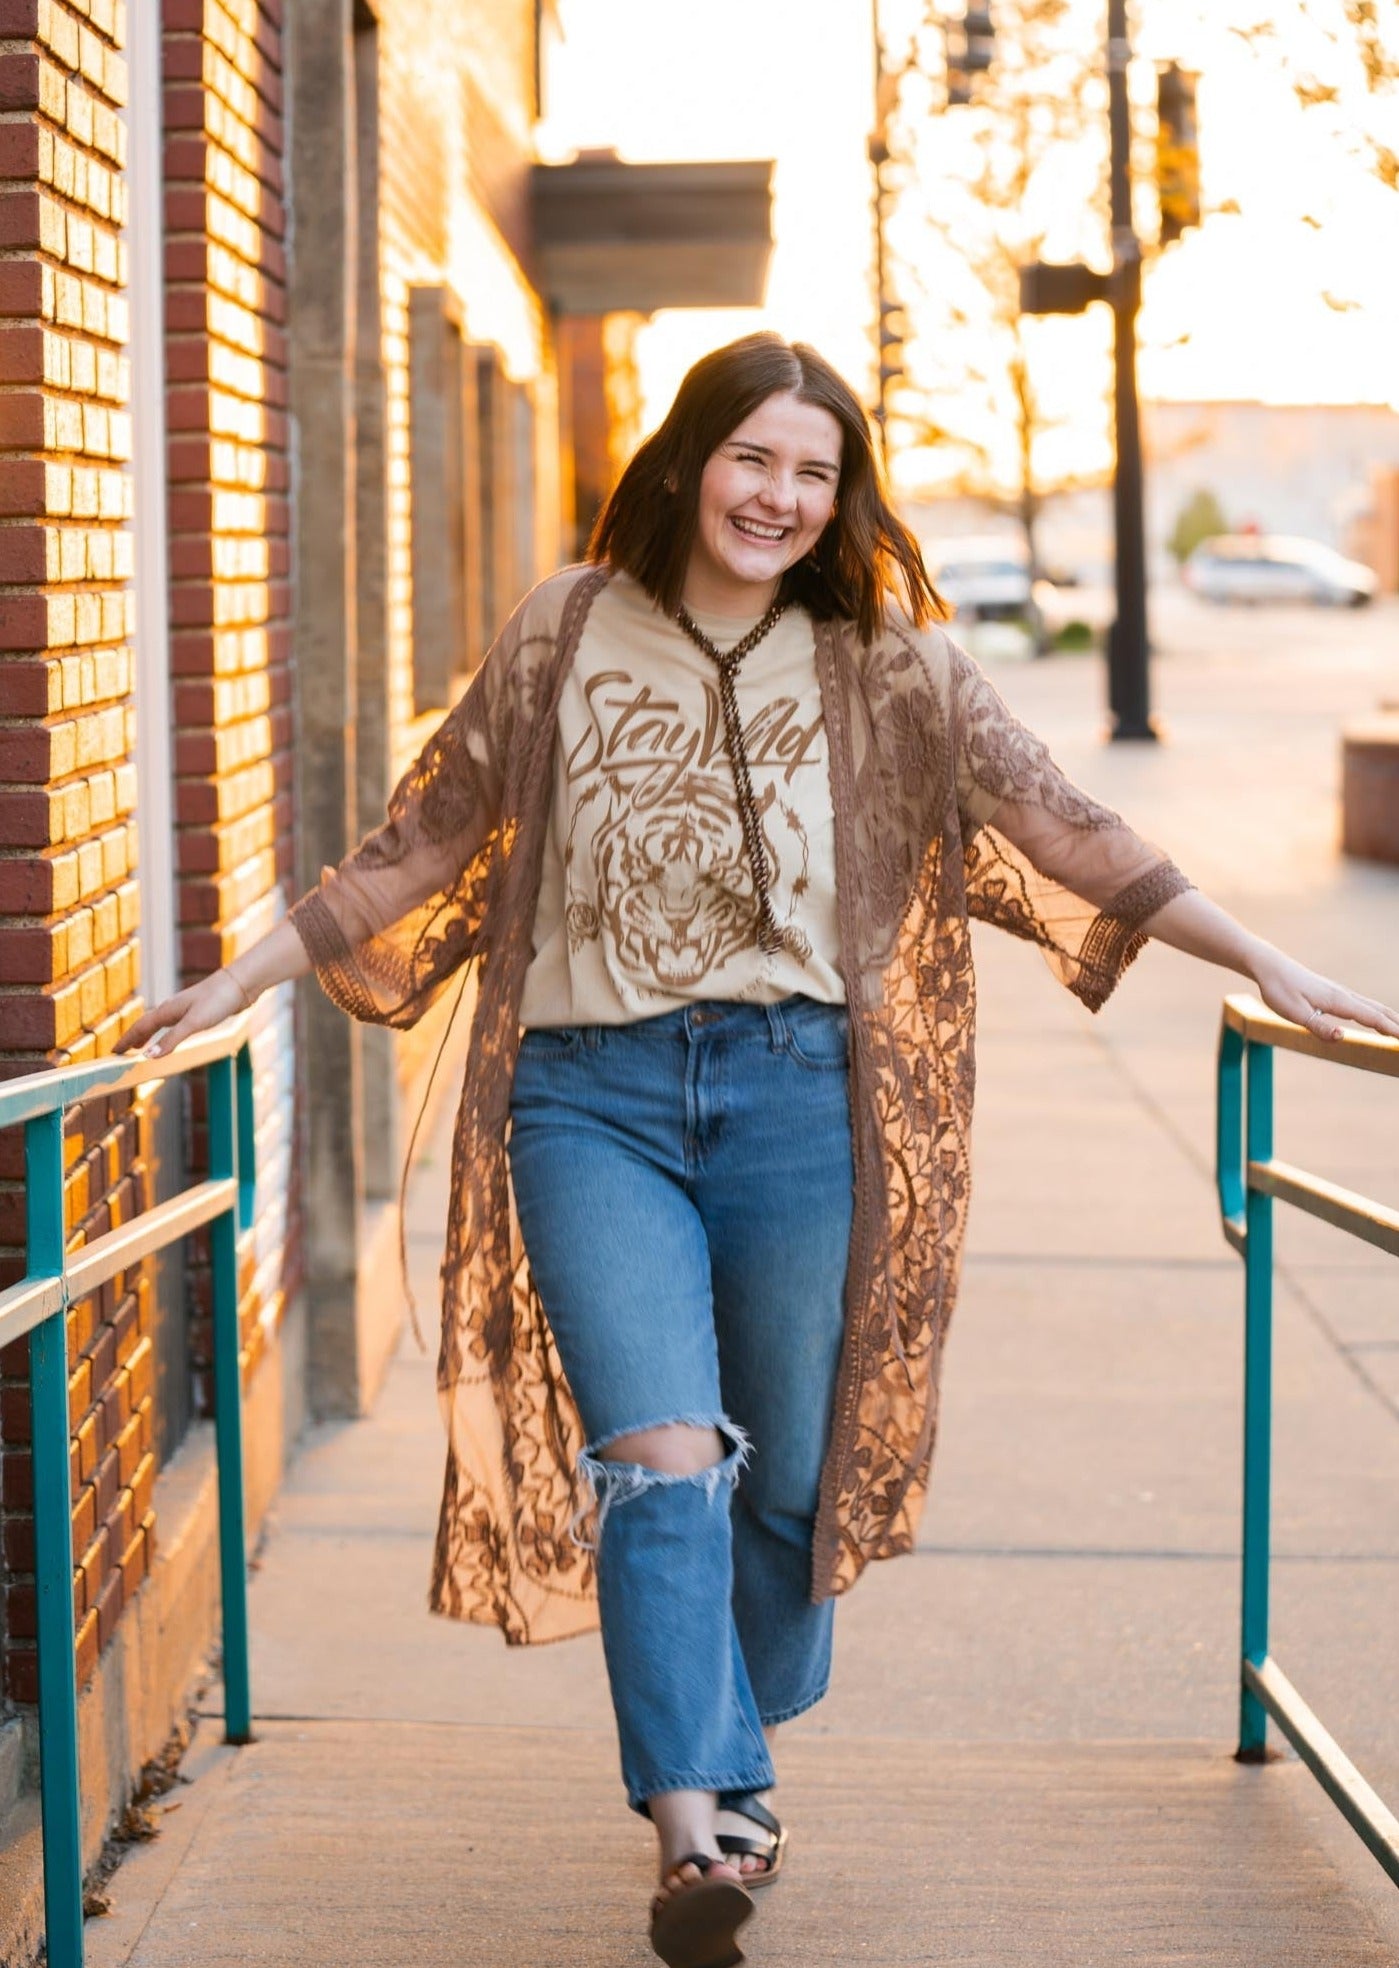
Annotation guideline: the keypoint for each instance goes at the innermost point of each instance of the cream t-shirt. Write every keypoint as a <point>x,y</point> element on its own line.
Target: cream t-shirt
<point>646,901</point>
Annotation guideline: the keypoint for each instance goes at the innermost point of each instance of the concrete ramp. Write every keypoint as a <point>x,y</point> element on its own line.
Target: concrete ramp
<point>391,1845</point>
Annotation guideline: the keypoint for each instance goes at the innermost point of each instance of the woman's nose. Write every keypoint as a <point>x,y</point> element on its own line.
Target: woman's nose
<point>780,490</point>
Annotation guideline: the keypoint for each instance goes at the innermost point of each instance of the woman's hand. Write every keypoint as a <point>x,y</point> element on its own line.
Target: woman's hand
<point>209,1002</point>
<point>1191,922</point>
<point>1294,992</point>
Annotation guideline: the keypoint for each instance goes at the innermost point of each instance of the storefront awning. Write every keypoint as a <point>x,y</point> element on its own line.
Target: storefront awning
<point>611,236</point>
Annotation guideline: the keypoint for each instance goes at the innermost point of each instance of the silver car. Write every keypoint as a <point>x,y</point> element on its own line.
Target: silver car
<point>986,580</point>
<point>1270,567</point>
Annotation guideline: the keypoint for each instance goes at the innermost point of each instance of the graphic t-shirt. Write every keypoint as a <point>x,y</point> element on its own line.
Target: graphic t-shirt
<point>646,901</point>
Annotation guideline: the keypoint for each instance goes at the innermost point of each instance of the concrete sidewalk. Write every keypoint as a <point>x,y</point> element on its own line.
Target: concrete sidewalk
<point>1026,1753</point>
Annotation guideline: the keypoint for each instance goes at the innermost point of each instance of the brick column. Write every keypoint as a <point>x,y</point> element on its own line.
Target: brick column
<point>229,547</point>
<point>323,322</point>
<point>68,897</point>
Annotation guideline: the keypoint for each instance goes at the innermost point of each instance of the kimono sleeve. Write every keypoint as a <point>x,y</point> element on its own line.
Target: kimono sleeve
<point>387,928</point>
<point>1042,859</point>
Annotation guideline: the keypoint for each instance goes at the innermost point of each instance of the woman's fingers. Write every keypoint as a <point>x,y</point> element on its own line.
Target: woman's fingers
<point>167,1042</point>
<point>1318,1003</point>
<point>1335,999</point>
<point>152,1021</point>
<point>1322,1007</point>
<point>1379,1017</point>
<point>207,1003</point>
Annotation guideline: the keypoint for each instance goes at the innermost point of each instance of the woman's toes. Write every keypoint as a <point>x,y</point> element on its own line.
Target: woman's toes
<point>676,1878</point>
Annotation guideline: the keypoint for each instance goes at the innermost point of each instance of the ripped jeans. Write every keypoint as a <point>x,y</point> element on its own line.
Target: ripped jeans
<point>684,1188</point>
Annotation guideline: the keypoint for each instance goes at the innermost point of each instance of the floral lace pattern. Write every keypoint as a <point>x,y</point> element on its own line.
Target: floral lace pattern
<point>946,809</point>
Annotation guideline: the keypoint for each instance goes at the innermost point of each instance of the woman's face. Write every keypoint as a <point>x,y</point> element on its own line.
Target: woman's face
<point>765,497</point>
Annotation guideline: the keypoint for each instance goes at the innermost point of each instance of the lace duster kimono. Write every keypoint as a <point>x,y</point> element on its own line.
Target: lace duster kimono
<point>945,808</point>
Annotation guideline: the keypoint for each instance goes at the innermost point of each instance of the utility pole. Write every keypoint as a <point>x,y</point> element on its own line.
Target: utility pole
<point>1050,289</point>
<point>1129,690</point>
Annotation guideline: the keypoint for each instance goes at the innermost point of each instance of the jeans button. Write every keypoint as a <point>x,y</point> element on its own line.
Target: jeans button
<point>703,1017</point>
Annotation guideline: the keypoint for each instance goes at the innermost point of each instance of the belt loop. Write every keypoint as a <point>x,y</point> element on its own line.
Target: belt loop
<point>777,1026</point>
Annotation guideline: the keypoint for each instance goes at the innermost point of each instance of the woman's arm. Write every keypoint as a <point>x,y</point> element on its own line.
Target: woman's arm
<point>1199,927</point>
<point>1007,781</point>
<point>367,895</point>
<point>439,816</point>
<point>273,959</point>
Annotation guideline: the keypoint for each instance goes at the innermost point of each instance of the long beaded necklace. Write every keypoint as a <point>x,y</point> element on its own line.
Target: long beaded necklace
<point>771,937</point>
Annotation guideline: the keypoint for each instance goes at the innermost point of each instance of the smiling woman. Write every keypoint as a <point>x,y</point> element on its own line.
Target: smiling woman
<point>764,435</point>
<point>713,819</point>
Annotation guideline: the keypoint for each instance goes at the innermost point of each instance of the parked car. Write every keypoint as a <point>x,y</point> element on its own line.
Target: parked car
<point>1260,567</point>
<point>987,580</point>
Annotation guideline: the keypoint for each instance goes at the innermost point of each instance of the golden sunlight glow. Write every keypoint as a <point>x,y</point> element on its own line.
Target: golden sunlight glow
<point>1291,298</point>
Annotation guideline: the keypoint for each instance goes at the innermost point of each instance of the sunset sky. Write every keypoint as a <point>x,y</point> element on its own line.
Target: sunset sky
<point>1238,309</point>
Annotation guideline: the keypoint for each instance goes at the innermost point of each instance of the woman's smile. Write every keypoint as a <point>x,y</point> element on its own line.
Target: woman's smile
<point>759,529</point>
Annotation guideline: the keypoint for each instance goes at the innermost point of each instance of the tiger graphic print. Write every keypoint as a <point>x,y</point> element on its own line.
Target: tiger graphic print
<point>654,861</point>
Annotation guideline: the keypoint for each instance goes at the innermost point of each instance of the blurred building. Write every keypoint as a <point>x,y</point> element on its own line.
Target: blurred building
<point>1329,472</point>
<point>1374,532</point>
<point>309,371</point>
<point>1300,468</point>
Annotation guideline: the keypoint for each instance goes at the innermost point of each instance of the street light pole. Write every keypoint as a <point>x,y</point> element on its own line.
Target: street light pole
<point>1129,695</point>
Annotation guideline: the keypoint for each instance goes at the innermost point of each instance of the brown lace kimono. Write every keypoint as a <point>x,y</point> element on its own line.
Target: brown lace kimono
<point>945,808</point>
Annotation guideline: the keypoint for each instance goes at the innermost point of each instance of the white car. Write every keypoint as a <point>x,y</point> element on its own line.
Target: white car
<point>1264,567</point>
<point>986,581</point>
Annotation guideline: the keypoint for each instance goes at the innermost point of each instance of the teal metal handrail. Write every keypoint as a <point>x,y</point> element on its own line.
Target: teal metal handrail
<point>37,1305</point>
<point>1250,1181</point>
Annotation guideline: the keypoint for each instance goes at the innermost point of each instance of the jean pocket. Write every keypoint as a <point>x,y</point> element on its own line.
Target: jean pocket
<point>550,1041</point>
<point>819,1036</point>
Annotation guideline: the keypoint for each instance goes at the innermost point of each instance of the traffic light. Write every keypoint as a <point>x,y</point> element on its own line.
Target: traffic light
<point>1177,151</point>
<point>969,44</point>
<point>893,334</point>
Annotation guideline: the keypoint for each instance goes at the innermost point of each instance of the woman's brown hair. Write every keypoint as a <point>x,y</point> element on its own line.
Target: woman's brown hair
<point>866,554</point>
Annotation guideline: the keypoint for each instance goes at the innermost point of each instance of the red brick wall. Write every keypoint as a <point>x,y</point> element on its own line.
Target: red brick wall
<point>230,647</point>
<point>68,897</point>
<point>69,805</point>
<point>69,810</point>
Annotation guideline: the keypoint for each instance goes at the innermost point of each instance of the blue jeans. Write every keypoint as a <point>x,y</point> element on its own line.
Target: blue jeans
<point>684,1188</point>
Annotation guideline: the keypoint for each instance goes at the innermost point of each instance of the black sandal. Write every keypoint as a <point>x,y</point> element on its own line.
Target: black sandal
<point>695,1926</point>
<point>747,1804</point>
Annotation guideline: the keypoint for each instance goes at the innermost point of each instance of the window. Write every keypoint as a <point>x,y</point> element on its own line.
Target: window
<point>505,447</point>
<point>448,604</point>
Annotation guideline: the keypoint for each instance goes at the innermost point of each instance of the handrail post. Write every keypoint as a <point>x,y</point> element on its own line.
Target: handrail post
<point>247,1136</point>
<point>228,1410</point>
<point>1229,1128</point>
<point>1258,1399</point>
<point>60,1797</point>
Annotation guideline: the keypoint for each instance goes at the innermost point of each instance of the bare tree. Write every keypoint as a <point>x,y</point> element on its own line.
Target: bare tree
<point>1341,58</point>
<point>1015,176</point>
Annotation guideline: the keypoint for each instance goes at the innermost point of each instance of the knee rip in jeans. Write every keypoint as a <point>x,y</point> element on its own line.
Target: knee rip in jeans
<point>611,1483</point>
